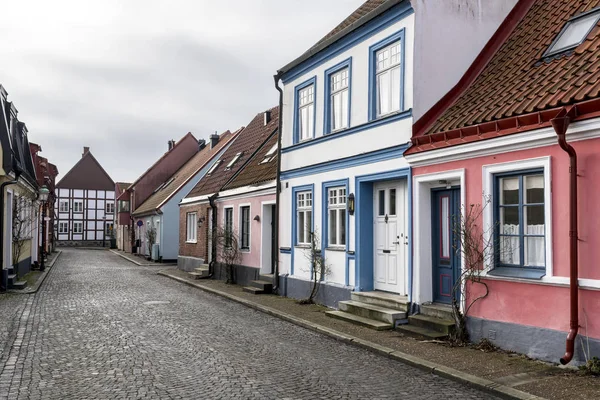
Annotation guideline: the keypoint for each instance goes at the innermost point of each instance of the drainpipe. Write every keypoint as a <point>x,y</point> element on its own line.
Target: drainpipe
<point>213,243</point>
<point>2,186</point>
<point>275,261</point>
<point>560,125</point>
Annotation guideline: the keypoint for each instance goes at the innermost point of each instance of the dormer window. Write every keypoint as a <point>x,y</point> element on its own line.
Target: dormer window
<point>270,154</point>
<point>575,31</point>
<point>233,161</point>
<point>215,166</point>
<point>168,183</point>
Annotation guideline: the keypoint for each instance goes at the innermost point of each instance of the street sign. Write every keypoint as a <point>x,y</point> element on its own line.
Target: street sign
<point>140,223</point>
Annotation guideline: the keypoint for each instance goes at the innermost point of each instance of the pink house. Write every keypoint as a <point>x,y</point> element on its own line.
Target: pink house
<point>518,138</point>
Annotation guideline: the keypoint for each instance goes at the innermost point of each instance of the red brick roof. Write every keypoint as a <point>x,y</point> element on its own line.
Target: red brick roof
<point>247,142</point>
<point>517,81</point>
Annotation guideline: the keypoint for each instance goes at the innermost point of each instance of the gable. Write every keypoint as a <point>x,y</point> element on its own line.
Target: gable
<point>87,174</point>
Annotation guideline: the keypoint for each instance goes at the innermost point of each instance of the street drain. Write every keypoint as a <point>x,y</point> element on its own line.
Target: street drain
<point>155,302</point>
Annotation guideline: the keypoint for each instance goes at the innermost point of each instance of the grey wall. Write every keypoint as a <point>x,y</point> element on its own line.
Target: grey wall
<point>449,34</point>
<point>328,295</point>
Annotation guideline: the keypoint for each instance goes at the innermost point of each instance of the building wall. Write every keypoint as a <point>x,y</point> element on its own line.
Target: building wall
<point>542,303</point>
<point>252,257</point>
<point>198,249</point>
<point>450,34</point>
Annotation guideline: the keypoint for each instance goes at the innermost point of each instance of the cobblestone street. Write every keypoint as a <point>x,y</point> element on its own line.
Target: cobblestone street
<point>103,328</point>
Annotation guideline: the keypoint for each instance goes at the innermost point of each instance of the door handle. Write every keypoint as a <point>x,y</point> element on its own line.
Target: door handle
<point>395,242</point>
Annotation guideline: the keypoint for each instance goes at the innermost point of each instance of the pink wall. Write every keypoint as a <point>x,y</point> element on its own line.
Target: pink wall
<point>544,305</point>
<point>251,258</point>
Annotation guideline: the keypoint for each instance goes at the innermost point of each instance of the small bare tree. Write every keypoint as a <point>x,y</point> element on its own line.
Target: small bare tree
<point>150,238</point>
<point>22,226</point>
<point>319,268</point>
<point>228,251</point>
<point>476,248</point>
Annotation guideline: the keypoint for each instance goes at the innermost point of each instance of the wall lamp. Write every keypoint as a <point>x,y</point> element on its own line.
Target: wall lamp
<point>257,218</point>
<point>351,204</point>
<point>200,221</point>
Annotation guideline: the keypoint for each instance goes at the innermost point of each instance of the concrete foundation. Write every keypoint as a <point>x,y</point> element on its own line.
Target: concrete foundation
<point>189,263</point>
<point>534,342</point>
<point>82,243</point>
<point>242,274</point>
<point>328,295</point>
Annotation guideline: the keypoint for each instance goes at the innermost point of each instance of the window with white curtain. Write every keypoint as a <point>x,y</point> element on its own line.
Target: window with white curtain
<point>520,215</point>
<point>191,225</point>
<point>303,217</point>
<point>306,112</point>
<point>338,82</point>
<point>336,209</point>
<point>388,78</point>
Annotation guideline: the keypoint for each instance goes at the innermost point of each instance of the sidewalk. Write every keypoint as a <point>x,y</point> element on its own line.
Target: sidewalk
<point>35,278</point>
<point>505,374</point>
<point>141,261</point>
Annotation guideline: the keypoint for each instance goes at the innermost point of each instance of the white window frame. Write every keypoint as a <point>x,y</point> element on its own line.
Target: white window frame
<point>241,214</point>
<point>61,225</point>
<point>64,203</point>
<point>592,15</point>
<point>269,155</point>
<point>304,205</point>
<point>191,225</point>
<point>75,208</point>
<point>306,100</point>
<point>214,167</point>
<point>388,70</point>
<point>337,200</point>
<point>233,161</point>
<point>75,225</point>
<point>225,227</point>
<point>108,208</point>
<point>344,87</point>
<point>489,176</point>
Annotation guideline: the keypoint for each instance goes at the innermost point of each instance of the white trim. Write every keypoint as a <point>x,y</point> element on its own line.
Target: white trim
<point>487,184</point>
<point>558,281</point>
<point>250,219</point>
<point>251,189</point>
<point>583,130</point>
<point>197,199</point>
<point>422,262</point>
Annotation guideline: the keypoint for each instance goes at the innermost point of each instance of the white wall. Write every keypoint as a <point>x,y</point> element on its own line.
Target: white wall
<point>449,35</point>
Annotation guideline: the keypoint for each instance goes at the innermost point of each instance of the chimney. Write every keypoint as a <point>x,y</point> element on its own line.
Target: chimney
<point>201,144</point>
<point>171,144</point>
<point>214,139</point>
<point>267,117</point>
<point>85,151</point>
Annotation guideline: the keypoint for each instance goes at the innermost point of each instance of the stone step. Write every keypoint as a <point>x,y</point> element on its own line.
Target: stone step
<point>265,277</point>
<point>420,333</point>
<point>355,319</point>
<point>199,275</point>
<point>11,278</point>
<point>444,326</point>
<point>20,285</point>
<point>253,290</point>
<point>371,311</point>
<point>443,311</point>
<point>264,285</point>
<point>382,299</point>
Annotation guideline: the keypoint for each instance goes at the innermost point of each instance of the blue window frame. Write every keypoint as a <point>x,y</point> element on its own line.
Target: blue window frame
<point>338,96</point>
<point>520,231</point>
<point>305,101</point>
<point>386,76</point>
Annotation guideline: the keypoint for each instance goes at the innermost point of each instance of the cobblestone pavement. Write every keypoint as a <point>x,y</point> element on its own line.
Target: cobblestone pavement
<point>103,328</point>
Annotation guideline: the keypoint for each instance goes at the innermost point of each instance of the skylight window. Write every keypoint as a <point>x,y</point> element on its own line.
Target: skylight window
<point>574,32</point>
<point>212,169</point>
<point>168,183</point>
<point>233,161</point>
<point>269,155</point>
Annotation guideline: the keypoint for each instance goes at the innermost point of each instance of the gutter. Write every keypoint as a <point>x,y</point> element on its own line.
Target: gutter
<point>560,124</point>
<point>275,258</point>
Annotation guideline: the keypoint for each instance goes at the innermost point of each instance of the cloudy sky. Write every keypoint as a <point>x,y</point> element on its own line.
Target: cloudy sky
<point>125,76</point>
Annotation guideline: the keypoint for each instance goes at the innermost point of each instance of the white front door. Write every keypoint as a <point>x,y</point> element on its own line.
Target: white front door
<point>390,236</point>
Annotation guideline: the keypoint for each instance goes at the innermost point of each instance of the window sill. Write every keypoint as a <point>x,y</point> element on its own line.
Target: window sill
<point>245,251</point>
<point>384,116</point>
<point>524,273</point>
<point>302,246</point>
<point>337,131</point>
<point>191,241</point>
<point>340,249</point>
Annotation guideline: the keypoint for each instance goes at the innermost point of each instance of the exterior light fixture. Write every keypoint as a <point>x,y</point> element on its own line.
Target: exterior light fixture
<point>43,194</point>
<point>200,221</point>
<point>351,204</point>
<point>257,218</point>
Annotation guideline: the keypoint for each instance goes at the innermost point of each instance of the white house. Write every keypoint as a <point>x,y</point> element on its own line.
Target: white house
<point>347,117</point>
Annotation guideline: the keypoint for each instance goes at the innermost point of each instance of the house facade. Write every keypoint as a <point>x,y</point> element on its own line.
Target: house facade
<point>122,227</point>
<point>347,115</point>
<point>517,140</point>
<point>85,204</point>
<point>161,209</point>
<point>228,198</point>
<point>177,154</point>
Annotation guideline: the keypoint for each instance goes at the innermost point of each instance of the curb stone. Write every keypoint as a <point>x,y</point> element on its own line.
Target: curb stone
<point>35,288</point>
<point>434,368</point>
<point>139,263</point>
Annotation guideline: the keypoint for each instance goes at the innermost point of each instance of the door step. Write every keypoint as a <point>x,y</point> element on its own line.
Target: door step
<point>201,272</point>
<point>355,319</point>
<point>253,290</point>
<point>259,287</point>
<point>371,311</point>
<point>437,310</point>
<point>435,324</point>
<point>19,285</point>
<point>420,333</point>
<point>382,299</point>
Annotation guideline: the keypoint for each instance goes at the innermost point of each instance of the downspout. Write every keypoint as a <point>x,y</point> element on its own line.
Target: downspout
<point>560,125</point>
<point>275,266</point>
<point>213,243</point>
<point>2,186</point>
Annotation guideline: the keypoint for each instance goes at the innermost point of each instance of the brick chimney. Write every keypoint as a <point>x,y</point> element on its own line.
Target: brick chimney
<point>267,118</point>
<point>171,144</point>
<point>85,151</point>
<point>214,139</point>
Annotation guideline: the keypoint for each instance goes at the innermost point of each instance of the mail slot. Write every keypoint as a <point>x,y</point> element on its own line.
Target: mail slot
<point>387,251</point>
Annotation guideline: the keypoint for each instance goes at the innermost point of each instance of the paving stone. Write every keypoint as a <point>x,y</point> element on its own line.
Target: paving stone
<point>104,328</point>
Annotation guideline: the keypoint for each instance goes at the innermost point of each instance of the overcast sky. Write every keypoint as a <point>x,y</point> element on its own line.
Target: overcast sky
<point>124,77</point>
